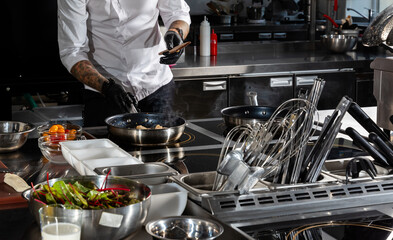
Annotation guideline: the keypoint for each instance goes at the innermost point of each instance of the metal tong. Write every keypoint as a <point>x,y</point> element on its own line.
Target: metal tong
<point>312,166</point>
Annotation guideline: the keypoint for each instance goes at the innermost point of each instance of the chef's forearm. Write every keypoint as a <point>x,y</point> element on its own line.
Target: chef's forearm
<point>86,73</point>
<point>182,25</point>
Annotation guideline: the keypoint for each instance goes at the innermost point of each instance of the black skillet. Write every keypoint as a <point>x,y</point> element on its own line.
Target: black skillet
<point>242,115</point>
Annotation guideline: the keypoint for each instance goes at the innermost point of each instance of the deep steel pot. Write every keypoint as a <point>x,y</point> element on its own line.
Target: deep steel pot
<point>123,126</point>
<point>130,218</point>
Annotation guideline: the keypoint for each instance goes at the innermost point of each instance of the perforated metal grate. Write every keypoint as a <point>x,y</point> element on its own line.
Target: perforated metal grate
<point>298,199</point>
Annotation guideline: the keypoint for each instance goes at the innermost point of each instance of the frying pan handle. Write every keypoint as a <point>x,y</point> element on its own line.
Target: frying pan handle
<point>253,96</point>
<point>366,146</point>
<point>383,147</point>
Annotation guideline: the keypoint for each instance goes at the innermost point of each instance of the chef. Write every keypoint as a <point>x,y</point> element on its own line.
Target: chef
<point>112,47</point>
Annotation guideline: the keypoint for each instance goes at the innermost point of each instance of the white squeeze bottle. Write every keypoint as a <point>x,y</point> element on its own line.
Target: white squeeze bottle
<point>204,38</point>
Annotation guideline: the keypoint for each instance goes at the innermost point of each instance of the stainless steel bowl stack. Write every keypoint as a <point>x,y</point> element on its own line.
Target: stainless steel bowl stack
<point>184,227</point>
<point>338,43</point>
<point>13,135</point>
<point>113,223</point>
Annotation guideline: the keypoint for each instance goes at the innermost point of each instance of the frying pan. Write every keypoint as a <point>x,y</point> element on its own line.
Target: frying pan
<point>123,127</point>
<point>242,115</point>
<point>379,31</point>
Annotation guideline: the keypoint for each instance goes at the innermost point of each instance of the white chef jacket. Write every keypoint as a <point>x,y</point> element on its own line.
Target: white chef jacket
<point>120,37</point>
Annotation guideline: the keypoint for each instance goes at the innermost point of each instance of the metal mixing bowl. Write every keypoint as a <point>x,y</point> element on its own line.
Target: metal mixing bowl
<point>13,135</point>
<point>184,227</point>
<point>123,220</point>
<point>338,43</point>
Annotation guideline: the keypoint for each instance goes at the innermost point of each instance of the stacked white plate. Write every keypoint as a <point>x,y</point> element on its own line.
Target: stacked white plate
<point>86,155</point>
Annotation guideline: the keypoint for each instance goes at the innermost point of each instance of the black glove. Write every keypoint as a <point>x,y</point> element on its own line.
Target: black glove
<point>172,40</point>
<point>118,98</point>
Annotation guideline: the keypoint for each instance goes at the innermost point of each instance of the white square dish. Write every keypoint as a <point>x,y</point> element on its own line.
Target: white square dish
<point>86,155</point>
<point>115,161</point>
<point>96,153</point>
<point>88,144</point>
<point>168,199</point>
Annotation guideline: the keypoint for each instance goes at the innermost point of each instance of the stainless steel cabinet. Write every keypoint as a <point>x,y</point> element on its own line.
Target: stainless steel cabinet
<point>275,88</point>
<point>338,83</point>
<point>272,90</point>
<point>206,97</point>
<point>364,89</point>
<point>200,97</point>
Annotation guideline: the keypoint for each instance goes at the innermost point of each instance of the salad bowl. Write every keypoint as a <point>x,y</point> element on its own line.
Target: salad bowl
<point>103,223</point>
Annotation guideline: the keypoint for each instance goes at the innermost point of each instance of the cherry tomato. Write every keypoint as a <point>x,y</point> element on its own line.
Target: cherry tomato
<point>53,129</point>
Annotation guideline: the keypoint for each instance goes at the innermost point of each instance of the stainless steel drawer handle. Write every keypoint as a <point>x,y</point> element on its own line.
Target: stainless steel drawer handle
<point>214,86</point>
<point>305,80</point>
<point>264,35</point>
<point>281,82</point>
<point>226,36</point>
<point>280,35</point>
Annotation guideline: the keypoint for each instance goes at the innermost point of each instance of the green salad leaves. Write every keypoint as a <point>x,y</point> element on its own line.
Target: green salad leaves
<point>86,196</point>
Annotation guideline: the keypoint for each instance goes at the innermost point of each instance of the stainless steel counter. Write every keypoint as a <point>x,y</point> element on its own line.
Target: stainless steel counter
<point>257,57</point>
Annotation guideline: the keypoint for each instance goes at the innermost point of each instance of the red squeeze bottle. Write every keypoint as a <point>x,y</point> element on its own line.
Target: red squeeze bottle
<point>213,44</point>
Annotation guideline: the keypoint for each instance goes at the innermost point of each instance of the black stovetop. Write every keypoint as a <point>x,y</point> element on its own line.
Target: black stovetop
<point>198,149</point>
<point>367,225</point>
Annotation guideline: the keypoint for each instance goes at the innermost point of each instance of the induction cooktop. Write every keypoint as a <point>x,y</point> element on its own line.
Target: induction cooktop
<point>373,224</point>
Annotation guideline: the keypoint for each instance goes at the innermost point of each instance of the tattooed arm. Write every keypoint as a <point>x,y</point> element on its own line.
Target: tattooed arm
<point>179,24</point>
<point>86,73</point>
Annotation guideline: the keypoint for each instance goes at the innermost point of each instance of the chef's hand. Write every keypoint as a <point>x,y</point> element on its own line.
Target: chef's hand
<point>119,99</point>
<point>172,39</point>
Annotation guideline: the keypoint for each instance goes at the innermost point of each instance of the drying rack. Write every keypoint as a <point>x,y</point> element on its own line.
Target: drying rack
<point>268,203</point>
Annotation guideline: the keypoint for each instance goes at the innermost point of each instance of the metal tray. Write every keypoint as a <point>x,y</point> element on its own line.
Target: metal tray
<point>199,185</point>
<point>266,204</point>
<point>336,169</point>
<point>147,173</point>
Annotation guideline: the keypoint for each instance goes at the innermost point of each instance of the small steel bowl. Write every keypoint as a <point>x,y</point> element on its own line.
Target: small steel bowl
<point>338,43</point>
<point>184,227</point>
<point>13,135</point>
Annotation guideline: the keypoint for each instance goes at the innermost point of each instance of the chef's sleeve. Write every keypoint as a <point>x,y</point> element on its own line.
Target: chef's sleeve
<point>173,10</point>
<point>72,31</point>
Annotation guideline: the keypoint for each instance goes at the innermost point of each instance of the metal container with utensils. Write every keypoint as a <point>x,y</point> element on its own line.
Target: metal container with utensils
<point>13,135</point>
<point>124,127</point>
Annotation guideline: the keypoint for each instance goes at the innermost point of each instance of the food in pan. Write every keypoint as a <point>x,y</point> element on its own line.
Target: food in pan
<point>158,126</point>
